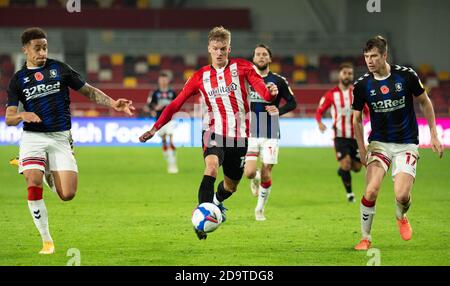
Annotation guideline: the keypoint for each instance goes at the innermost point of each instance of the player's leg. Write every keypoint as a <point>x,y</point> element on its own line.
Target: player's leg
<point>264,191</point>
<point>233,169</point>
<point>172,160</point>
<point>206,189</point>
<point>270,149</point>
<point>32,162</point>
<point>345,166</point>
<point>403,173</point>
<point>343,155</point>
<point>378,164</point>
<point>37,208</point>
<point>250,169</point>
<point>213,157</point>
<point>63,165</point>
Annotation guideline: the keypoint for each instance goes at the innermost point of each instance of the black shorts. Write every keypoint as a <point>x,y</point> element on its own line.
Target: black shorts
<point>230,152</point>
<point>346,146</point>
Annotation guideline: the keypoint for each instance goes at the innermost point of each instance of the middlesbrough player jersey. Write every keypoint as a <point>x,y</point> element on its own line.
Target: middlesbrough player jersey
<point>341,111</point>
<point>225,96</point>
<point>45,91</point>
<point>391,104</point>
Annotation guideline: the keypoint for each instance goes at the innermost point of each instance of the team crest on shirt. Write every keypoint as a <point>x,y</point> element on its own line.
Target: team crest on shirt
<point>384,89</point>
<point>26,79</point>
<point>38,76</point>
<point>373,92</point>
<point>398,87</point>
<point>234,73</point>
<point>53,73</point>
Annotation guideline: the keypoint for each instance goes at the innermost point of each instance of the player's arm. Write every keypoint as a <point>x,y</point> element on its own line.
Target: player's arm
<point>268,92</point>
<point>13,117</point>
<point>99,97</point>
<point>358,106</point>
<point>324,103</point>
<point>359,135</point>
<point>190,89</point>
<point>428,112</point>
<point>288,95</point>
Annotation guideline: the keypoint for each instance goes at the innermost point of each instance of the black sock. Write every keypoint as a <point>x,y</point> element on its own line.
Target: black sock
<point>346,179</point>
<point>206,190</point>
<point>222,194</point>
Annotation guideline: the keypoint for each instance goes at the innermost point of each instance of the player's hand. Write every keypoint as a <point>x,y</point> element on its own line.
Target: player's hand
<point>30,117</point>
<point>322,127</point>
<point>123,105</point>
<point>363,157</point>
<point>272,110</point>
<point>437,146</point>
<point>273,89</point>
<point>147,135</point>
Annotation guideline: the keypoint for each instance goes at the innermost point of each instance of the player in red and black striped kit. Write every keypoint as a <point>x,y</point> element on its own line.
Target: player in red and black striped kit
<point>224,88</point>
<point>340,99</point>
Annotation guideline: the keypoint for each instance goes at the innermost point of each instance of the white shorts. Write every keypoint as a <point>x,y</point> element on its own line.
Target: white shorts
<point>265,148</point>
<point>403,157</point>
<point>49,151</point>
<point>167,129</point>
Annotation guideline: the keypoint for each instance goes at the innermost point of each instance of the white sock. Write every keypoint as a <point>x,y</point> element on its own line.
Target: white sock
<point>367,214</point>
<point>263,196</point>
<point>171,158</point>
<point>38,212</point>
<point>401,209</point>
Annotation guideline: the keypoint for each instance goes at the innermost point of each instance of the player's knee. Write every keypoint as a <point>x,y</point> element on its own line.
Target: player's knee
<point>34,181</point>
<point>67,196</point>
<point>249,173</point>
<point>211,170</point>
<point>371,193</point>
<point>266,174</point>
<point>356,168</point>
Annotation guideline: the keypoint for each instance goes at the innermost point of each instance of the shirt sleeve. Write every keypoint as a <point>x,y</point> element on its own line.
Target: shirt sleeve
<point>190,88</point>
<point>417,87</point>
<point>286,93</point>
<point>358,98</point>
<point>324,103</point>
<point>257,82</point>
<point>13,92</point>
<point>72,77</point>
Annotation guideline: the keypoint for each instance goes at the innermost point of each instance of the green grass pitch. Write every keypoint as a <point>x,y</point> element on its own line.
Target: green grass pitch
<point>129,211</point>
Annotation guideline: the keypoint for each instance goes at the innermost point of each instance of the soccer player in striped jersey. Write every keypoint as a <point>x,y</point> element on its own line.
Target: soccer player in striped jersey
<point>223,86</point>
<point>389,91</point>
<point>265,129</point>
<point>340,99</point>
<point>42,86</point>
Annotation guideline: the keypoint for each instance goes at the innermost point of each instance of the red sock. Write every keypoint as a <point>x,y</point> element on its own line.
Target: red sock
<point>34,193</point>
<point>267,184</point>
<point>367,203</point>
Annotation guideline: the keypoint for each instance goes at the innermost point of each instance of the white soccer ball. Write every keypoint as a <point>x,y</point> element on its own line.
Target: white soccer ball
<point>207,217</point>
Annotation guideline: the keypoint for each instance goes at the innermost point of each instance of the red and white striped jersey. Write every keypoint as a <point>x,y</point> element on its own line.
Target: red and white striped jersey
<point>341,112</point>
<point>225,94</point>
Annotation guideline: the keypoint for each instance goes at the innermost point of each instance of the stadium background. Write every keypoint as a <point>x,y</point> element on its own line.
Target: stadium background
<point>121,45</point>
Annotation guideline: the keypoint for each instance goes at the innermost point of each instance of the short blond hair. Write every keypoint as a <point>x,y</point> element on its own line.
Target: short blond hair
<point>219,34</point>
